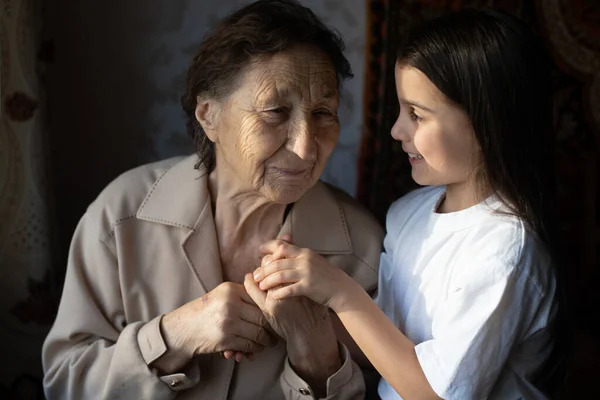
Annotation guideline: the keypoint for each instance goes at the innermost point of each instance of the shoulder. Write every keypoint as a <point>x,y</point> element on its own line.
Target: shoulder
<point>503,247</point>
<point>410,205</point>
<point>422,197</point>
<point>497,236</point>
<point>121,198</point>
<point>359,219</point>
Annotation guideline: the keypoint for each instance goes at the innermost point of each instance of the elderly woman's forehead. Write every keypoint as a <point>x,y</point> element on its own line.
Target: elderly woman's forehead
<point>286,73</point>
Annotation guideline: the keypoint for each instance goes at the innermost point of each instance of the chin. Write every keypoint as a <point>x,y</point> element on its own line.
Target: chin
<point>420,180</point>
<point>287,194</point>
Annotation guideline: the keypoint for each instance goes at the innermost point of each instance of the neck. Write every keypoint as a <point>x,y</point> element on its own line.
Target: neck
<point>460,196</point>
<point>241,215</point>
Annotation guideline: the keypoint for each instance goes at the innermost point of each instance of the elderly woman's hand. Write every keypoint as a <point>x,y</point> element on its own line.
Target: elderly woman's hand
<point>290,317</point>
<point>224,319</point>
<point>306,327</point>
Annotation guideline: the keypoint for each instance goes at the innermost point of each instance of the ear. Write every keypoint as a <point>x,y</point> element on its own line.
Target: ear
<point>207,111</point>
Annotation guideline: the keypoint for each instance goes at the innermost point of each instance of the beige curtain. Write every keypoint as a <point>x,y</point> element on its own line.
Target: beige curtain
<point>26,304</point>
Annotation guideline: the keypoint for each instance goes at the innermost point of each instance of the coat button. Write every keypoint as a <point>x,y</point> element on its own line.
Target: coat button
<point>176,383</point>
<point>305,391</point>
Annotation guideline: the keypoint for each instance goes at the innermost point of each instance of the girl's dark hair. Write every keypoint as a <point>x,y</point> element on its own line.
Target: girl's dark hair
<point>261,28</point>
<point>493,67</point>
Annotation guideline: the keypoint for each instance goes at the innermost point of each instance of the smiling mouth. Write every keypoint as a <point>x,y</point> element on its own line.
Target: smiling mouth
<point>414,156</point>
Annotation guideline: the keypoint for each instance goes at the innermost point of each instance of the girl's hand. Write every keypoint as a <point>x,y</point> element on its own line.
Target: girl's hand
<point>288,271</point>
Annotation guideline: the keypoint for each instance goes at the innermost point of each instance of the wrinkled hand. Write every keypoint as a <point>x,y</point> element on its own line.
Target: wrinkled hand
<point>288,317</point>
<point>306,327</point>
<point>224,319</point>
<point>288,271</point>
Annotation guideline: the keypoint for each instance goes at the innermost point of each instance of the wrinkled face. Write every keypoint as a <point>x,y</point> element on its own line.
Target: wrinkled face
<point>275,133</point>
<point>436,135</point>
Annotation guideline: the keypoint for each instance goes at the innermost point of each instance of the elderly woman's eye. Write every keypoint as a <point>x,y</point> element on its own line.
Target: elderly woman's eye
<point>278,110</point>
<point>323,112</point>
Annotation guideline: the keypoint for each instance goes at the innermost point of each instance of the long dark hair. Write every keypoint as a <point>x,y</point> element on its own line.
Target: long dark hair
<point>493,67</point>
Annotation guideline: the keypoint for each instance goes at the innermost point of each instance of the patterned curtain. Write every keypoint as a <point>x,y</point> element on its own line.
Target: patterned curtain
<point>26,309</point>
<point>571,30</point>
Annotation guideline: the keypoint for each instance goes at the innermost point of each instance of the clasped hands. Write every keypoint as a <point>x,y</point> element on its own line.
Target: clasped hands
<point>294,287</point>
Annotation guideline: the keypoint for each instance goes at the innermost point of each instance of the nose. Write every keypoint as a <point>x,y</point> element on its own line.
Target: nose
<point>302,139</point>
<point>400,129</point>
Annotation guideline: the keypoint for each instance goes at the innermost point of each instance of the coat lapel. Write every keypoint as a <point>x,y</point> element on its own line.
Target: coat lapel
<point>317,221</point>
<point>201,249</point>
<point>180,198</point>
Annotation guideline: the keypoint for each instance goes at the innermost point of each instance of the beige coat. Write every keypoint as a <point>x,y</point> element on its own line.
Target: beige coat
<point>148,245</point>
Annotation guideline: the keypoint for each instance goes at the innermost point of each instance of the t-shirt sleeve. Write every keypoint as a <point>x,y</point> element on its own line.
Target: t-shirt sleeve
<point>383,296</point>
<point>474,331</point>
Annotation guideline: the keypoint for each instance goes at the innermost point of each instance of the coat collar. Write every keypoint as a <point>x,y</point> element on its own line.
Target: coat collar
<point>178,198</point>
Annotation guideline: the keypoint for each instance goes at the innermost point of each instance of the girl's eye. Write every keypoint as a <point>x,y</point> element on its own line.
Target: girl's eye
<point>414,116</point>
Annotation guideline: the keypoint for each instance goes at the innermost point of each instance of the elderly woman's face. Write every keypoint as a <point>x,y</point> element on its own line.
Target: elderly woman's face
<point>278,129</point>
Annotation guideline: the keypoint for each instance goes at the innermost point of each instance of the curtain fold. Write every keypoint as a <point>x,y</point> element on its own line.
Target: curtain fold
<point>26,258</point>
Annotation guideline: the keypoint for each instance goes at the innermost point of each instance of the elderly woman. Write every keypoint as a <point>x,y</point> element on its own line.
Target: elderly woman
<point>157,284</point>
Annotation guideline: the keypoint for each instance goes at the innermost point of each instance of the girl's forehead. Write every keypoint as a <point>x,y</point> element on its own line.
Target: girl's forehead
<point>414,86</point>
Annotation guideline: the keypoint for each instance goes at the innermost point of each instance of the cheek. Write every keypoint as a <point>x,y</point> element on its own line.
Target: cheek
<point>327,140</point>
<point>462,147</point>
<point>258,141</point>
<point>429,141</point>
<point>447,151</point>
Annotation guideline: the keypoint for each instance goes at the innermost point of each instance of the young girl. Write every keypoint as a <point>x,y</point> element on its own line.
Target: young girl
<point>466,299</point>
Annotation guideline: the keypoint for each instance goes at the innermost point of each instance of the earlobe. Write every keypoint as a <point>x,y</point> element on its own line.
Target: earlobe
<point>205,112</point>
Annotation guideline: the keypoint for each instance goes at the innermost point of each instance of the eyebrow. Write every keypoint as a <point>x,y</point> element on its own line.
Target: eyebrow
<point>330,93</point>
<point>416,104</point>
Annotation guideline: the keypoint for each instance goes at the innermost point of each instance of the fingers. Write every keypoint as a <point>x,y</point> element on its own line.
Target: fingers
<point>258,296</point>
<point>271,268</point>
<point>280,249</point>
<point>265,335</point>
<point>237,355</point>
<point>279,278</point>
<point>246,298</point>
<point>239,344</point>
<point>252,314</point>
<point>256,334</point>
<point>283,292</point>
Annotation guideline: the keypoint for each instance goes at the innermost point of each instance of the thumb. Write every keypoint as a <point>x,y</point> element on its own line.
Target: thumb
<point>287,237</point>
<point>255,293</point>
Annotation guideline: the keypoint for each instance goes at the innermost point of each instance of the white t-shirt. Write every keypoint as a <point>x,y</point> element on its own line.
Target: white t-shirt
<point>474,290</point>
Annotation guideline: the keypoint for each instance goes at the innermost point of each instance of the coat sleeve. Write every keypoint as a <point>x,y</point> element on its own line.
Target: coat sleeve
<point>92,351</point>
<point>346,384</point>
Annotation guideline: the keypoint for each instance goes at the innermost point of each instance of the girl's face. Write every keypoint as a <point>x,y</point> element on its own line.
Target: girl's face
<point>436,135</point>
